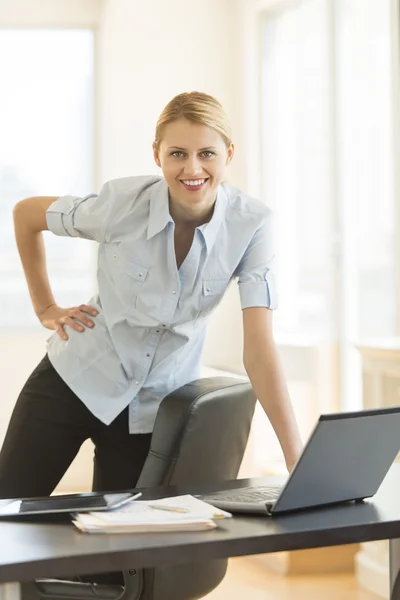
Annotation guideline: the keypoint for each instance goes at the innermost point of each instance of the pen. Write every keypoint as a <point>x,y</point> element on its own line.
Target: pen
<point>123,503</point>
<point>176,509</point>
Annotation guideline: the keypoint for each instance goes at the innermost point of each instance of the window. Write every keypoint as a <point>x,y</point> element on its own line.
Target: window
<point>328,110</point>
<point>46,148</point>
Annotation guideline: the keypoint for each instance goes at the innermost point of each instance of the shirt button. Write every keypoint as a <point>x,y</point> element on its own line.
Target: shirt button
<point>208,289</point>
<point>148,355</point>
<point>157,331</point>
<point>137,382</point>
<point>140,274</point>
<point>174,291</point>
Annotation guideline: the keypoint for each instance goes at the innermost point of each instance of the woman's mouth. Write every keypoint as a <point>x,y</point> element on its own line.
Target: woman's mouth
<point>193,185</point>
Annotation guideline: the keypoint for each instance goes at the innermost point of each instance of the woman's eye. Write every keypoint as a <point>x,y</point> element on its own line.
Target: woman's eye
<point>205,154</point>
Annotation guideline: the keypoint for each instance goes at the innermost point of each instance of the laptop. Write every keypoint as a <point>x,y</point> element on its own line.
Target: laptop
<point>345,459</point>
<point>67,503</point>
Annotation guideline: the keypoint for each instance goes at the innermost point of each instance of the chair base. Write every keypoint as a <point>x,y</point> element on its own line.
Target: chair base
<point>57,589</point>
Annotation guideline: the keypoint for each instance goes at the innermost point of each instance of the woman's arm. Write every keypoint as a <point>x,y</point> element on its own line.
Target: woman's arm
<point>29,222</point>
<point>263,367</point>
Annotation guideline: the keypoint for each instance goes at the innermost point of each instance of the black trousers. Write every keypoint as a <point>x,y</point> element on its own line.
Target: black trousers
<point>48,426</point>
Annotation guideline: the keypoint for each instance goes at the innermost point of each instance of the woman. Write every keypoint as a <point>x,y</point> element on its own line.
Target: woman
<point>168,248</point>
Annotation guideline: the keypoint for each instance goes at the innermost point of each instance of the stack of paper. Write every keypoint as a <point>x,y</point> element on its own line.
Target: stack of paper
<point>180,513</point>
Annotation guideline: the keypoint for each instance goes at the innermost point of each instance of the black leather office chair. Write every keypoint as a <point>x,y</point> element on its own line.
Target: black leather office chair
<point>200,436</point>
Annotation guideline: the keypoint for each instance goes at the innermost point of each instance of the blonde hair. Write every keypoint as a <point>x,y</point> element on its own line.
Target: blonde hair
<point>196,107</point>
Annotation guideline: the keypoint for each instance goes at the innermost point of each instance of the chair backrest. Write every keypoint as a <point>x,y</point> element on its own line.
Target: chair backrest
<point>200,433</point>
<point>200,436</point>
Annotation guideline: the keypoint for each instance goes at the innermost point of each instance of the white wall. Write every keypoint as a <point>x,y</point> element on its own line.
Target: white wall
<point>149,52</point>
<point>49,13</point>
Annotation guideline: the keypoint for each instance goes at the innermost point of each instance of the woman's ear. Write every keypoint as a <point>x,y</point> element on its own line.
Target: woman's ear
<point>156,155</point>
<point>231,152</point>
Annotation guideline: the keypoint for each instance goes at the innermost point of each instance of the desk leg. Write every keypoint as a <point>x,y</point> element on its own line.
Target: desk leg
<point>10,591</point>
<point>394,568</point>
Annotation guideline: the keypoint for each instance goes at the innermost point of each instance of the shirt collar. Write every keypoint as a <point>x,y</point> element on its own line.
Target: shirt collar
<point>159,209</point>
<point>210,230</point>
<point>159,215</point>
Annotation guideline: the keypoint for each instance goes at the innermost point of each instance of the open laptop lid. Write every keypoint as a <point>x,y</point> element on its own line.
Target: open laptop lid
<point>346,458</point>
<point>68,503</point>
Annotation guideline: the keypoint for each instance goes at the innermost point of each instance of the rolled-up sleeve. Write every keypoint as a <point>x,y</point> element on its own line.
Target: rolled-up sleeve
<point>256,279</point>
<point>86,217</point>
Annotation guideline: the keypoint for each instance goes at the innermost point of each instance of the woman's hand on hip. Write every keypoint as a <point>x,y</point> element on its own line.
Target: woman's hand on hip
<point>77,317</point>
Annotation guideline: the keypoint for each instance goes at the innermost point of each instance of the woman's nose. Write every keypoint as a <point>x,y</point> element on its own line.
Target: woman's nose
<point>193,166</point>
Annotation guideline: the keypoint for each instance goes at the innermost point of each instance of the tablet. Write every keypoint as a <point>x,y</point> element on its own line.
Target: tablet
<point>92,501</point>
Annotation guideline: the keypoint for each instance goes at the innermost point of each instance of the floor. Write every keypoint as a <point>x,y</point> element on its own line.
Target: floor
<point>249,581</point>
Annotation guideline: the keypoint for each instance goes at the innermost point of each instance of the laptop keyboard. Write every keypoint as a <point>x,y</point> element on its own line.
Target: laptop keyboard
<point>246,494</point>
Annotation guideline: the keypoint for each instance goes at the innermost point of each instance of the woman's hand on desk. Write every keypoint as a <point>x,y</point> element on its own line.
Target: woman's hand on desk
<point>290,466</point>
<point>55,317</point>
<point>293,458</point>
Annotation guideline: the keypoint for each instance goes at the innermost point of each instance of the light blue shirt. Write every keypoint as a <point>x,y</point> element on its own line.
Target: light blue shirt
<point>150,329</point>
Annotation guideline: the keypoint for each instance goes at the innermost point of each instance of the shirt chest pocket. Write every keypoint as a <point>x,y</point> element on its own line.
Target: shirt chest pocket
<point>129,277</point>
<point>212,293</point>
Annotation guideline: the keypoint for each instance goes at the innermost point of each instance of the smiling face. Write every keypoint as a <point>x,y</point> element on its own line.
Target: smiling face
<point>193,159</point>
